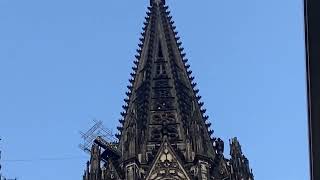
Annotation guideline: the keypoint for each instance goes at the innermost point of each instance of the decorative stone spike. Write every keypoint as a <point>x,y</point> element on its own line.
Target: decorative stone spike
<point>131,81</point>
<point>129,87</point>
<point>174,27</point>
<point>120,128</point>
<point>169,17</point>
<point>168,12</point>
<point>136,62</point>
<point>203,111</point>
<point>149,8</point>
<point>198,98</point>
<point>179,43</point>
<point>177,38</point>
<point>165,7</point>
<point>205,118</point>
<point>194,85</point>
<point>133,75</point>
<point>212,140</point>
<point>124,107</point>
<point>140,45</point>
<point>128,93</point>
<point>189,72</point>
<point>147,18</point>
<point>208,125</point>
<point>181,49</point>
<point>121,121</point>
<point>134,69</point>
<point>210,132</point>
<point>126,100</point>
<point>183,55</point>
<point>139,51</point>
<point>196,91</point>
<point>148,13</point>
<point>172,22</point>
<point>137,56</point>
<point>141,39</point>
<point>191,78</point>
<point>185,60</point>
<point>175,33</point>
<point>219,146</point>
<point>123,114</point>
<point>201,104</point>
<point>118,136</point>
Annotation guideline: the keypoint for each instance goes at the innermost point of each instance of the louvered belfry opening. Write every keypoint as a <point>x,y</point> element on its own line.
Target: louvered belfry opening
<point>164,132</point>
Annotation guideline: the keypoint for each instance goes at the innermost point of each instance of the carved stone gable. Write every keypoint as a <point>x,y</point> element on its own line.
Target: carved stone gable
<point>166,165</point>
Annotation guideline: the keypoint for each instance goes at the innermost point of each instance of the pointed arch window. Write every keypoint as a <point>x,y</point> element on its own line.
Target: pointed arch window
<point>161,69</point>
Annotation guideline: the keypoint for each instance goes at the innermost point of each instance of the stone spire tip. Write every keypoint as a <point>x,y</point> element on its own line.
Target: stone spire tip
<point>157,2</point>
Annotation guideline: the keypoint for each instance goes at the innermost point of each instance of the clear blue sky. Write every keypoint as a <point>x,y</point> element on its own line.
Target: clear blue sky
<point>64,63</point>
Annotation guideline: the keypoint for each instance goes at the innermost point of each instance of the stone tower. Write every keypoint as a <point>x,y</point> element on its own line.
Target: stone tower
<point>164,132</point>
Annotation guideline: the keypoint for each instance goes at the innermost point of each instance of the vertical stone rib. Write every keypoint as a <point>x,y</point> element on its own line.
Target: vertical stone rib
<point>185,87</point>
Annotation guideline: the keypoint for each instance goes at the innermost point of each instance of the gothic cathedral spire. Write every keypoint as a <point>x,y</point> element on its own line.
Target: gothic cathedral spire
<point>164,132</point>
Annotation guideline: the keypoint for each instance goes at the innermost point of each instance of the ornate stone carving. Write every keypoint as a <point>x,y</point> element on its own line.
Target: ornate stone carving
<point>163,104</point>
<point>161,83</point>
<point>163,92</point>
<point>161,117</point>
<point>167,166</point>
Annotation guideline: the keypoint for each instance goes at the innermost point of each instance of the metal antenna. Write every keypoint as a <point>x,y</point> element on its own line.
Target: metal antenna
<point>97,130</point>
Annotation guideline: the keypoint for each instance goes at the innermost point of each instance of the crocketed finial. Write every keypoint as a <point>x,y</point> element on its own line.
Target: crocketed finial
<point>157,2</point>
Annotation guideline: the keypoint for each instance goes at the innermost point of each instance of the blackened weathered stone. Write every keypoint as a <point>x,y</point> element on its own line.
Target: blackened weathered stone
<point>164,133</point>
